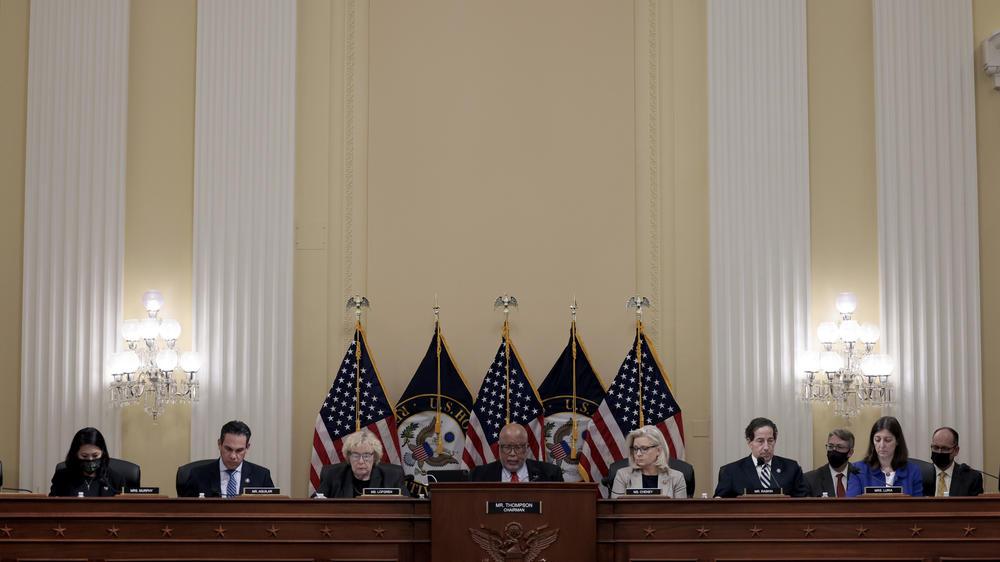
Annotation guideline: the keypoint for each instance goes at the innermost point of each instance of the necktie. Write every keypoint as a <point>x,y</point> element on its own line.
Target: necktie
<point>941,487</point>
<point>232,488</point>
<point>841,492</point>
<point>514,478</point>
<point>765,473</point>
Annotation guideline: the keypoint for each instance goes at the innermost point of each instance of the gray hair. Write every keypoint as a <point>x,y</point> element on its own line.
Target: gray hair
<point>844,435</point>
<point>653,434</point>
<point>358,438</point>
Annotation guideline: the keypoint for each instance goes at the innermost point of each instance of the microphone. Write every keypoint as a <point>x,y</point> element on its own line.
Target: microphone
<point>18,490</point>
<point>429,476</point>
<point>983,472</point>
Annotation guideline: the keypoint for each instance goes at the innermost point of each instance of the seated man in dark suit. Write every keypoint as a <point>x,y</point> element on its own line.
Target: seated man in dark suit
<point>363,451</point>
<point>839,448</point>
<point>762,469</point>
<point>514,466</point>
<point>958,479</point>
<point>231,474</point>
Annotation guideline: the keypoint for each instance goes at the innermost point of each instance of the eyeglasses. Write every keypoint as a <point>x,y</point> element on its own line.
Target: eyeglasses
<point>366,456</point>
<point>937,449</point>
<point>514,448</point>
<point>838,448</point>
<point>643,450</point>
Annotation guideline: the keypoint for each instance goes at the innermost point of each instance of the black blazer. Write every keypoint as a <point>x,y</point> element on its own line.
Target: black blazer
<point>965,480</point>
<point>537,472</point>
<point>820,480</point>
<point>205,478</point>
<point>66,482</point>
<point>337,480</point>
<point>741,475</point>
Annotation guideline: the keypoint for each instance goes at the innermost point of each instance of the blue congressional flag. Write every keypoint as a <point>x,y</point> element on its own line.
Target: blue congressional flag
<point>489,414</point>
<point>416,415</point>
<point>618,413</point>
<point>556,392</point>
<point>336,418</point>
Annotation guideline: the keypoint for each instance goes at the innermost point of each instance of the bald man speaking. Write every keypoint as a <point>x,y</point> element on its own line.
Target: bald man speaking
<point>514,466</point>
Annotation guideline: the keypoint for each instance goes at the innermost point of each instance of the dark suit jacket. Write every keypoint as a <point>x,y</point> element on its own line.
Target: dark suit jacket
<point>741,475</point>
<point>537,472</point>
<point>337,480</point>
<point>965,480</point>
<point>67,483</point>
<point>820,480</point>
<point>205,478</point>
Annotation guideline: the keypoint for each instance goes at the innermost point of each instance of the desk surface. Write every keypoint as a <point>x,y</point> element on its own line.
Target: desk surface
<point>137,528</point>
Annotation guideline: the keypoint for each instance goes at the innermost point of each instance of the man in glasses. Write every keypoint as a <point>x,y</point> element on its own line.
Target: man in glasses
<point>514,466</point>
<point>833,476</point>
<point>946,475</point>
<point>762,471</point>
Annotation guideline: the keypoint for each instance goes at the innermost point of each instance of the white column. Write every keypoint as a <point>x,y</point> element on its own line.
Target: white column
<point>759,220</point>
<point>243,225</point>
<point>928,217</point>
<point>73,226</point>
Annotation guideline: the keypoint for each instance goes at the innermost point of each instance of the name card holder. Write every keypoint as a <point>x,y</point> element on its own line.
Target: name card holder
<point>261,491</point>
<point>884,490</point>
<point>144,491</point>
<point>514,507</point>
<point>376,492</point>
<point>643,492</point>
<point>763,492</point>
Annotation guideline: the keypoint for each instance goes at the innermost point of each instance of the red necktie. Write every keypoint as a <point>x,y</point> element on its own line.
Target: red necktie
<point>840,486</point>
<point>513,477</point>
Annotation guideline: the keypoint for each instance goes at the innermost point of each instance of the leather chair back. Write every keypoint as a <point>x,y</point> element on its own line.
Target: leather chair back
<point>184,471</point>
<point>680,466</point>
<point>127,471</point>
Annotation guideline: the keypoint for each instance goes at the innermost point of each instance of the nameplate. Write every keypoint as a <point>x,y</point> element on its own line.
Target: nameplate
<point>142,491</point>
<point>381,492</point>
<point>883,489</point>
<point>261,491</point>
<point>513,507</point>
<point>643,492</point>
<point>761,492</point>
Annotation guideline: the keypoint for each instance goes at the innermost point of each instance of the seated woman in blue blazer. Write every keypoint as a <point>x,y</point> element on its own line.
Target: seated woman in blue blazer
<point>887,462</point>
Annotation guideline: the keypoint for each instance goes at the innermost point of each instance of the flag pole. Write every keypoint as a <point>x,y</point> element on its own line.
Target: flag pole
<point>572,310</point>
<point>637,302</point>
<point>506,301</point>
<point>357,302</point>
<point>437,338</point>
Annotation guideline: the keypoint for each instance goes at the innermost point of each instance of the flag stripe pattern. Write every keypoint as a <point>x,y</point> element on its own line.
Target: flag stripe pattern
<point>618,413</point>
<point>336,418</point>
<point>489,414</point>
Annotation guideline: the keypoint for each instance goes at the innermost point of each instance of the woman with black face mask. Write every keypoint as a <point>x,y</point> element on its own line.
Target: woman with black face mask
<point>86,468</point>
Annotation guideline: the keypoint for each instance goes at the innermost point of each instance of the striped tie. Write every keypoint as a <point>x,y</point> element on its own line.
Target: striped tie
<point>765,473</point>
<point>232,488</point>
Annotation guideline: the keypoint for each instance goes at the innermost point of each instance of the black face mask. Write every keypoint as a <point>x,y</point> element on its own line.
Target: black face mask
<point>90,467</point>
<point>836,458</point>
<point>941,460</point>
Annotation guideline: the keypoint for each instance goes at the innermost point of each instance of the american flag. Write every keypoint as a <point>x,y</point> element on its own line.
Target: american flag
<point>618,413</point>
<point>336,419</point>
<point>559,450</point>
<point>490,409</point>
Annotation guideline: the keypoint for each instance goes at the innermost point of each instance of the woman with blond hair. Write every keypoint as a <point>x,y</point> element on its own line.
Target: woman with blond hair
<point>363,451</point>
<point>647,466</point>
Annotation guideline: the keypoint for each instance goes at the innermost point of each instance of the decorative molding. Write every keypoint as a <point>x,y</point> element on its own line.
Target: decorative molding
<point>73,226</point>
<point>649,212</point>
<point>244,225</point>
<point>759,220</point>
<point>928,216</point>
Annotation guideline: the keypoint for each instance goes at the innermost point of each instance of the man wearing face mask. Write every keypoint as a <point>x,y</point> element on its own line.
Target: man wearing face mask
<point>957,479</point>
<point>834,476</point>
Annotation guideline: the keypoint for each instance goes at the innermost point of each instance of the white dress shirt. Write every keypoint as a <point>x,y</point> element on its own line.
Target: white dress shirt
<point>522,474</point>
<point>224,477</point>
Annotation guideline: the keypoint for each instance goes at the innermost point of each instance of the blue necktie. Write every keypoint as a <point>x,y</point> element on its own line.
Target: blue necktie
<point>232,488</point>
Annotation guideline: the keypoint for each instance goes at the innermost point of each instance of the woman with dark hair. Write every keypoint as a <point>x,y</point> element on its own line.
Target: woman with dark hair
<point>86,468</point>
<point>887,462</point>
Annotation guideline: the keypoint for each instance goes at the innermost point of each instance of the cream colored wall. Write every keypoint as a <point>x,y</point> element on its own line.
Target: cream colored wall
<point>159,207</point>
<point>842,183</point>
<point>13,114</point>
<point>986,20</point>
